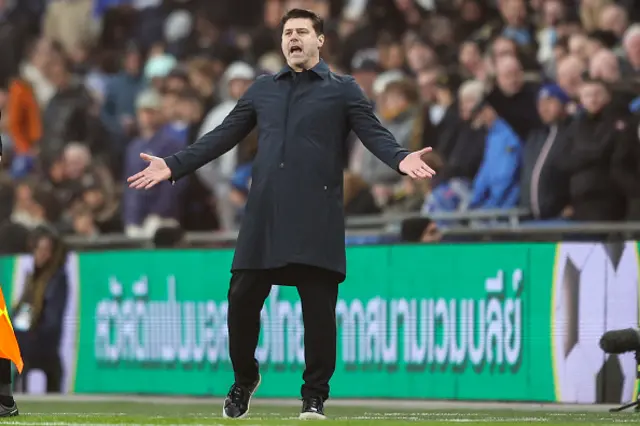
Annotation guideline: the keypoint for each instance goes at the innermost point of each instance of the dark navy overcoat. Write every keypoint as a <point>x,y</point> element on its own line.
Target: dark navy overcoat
<point>294,212</point>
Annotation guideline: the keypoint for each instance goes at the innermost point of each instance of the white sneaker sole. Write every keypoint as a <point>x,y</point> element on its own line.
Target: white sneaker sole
<point>312,416</point>
<point>224,415</point>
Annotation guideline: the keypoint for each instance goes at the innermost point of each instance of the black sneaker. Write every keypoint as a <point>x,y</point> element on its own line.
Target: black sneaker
<point>8,411</point>
<point>238,401</point>
<point>312,409</point>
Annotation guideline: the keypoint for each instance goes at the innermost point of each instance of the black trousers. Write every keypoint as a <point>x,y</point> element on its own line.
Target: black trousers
<point>318,290</point>
<point>5,371</point>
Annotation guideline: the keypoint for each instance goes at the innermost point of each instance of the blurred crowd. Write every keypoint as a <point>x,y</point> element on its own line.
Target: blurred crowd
<point>527,103</point>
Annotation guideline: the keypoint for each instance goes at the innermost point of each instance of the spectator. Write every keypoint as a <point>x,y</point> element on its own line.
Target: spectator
<point>513,99</point>
<point>545,186</point>
<point>119,105</point>
<point>70,23</point>
<point>11,42</point>
<point>202,75</point>
<point>35,70</point>
<point>38,316</point>
<point>631,43</point>
<point>177,80</point>
<point>589,154</point>
<point>471,61</point>
<point>169,237</point>
<point>24,123</point>
<point>441,119</point>
<point>554,11</point>
<point>570,76</point>
<point>144,211</point>
<point>604,66</point>
<point>157,69</point>
<point>460,144</point>
<point>399,111</point>
<point>358,199</point>
<point>66,117</point>
<point>514,13</point>
<point>365,72</point>
<point>420,230</point>
<point>614,18</point>
<point>496,185</point>
<point>421,56</point>
<point>93,59</point>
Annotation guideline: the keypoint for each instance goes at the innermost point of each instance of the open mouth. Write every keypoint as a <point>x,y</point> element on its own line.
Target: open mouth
<point>295,49</point>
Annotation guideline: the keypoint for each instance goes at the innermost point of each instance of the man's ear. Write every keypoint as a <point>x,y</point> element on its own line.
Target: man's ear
<point>320,40</point>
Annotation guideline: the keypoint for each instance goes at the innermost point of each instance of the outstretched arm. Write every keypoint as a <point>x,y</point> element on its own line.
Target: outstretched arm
<point>235,127</point>
<point>377,139</point>
<point>374,136</point>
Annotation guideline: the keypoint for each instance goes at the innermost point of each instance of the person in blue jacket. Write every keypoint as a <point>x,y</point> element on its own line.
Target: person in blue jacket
<point>496,186</point>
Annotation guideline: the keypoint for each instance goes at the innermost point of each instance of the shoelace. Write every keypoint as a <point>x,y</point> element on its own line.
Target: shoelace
<point>314,404</point>
<point>236,393</point>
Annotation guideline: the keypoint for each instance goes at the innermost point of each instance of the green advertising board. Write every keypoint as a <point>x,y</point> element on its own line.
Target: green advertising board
<point>460,321</point>
<point>414,321</point>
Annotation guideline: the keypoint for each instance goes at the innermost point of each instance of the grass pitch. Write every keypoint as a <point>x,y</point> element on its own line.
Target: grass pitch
<point>71,410</point>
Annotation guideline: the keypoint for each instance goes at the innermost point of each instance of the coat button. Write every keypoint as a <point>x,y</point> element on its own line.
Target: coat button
<point>325,187</point>
<point>282,165</point>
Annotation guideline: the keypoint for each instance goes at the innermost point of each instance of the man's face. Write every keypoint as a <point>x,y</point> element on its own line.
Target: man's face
<point>632,48</point>
<point>593,97</point>
<point>300,43</point>
<point>570,77</point>
<point>420,56</point>
<point>553,12</point>
<point>614,19</point>
<point>470,56</point>
<point>514,12</point>
<point>606,69</point>
<point>549,109</point>
<point>467,104</point>
<point>189,110</point>
<point>74,165</point>
<point>394,103</point>
<point>148,119</point>
<point>391,56</point>
<point>170,107</point>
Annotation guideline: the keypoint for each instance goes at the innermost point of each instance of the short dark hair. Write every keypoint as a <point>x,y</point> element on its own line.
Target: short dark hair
<point>316,21</point>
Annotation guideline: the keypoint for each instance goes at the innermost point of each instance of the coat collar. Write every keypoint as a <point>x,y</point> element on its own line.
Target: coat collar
<point>321,69</point>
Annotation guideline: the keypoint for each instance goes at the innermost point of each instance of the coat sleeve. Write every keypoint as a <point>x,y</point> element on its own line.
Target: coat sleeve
<point>375,137</point>
<point>235,127</point>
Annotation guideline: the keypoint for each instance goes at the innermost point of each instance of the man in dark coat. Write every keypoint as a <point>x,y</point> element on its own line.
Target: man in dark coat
<point>292,232</point>
<point>544,185</point>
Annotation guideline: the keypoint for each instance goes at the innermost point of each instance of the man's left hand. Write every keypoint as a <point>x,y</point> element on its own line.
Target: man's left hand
<point>413,166</point>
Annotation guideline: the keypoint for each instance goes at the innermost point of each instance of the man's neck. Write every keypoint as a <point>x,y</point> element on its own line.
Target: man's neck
<point>310,64</point>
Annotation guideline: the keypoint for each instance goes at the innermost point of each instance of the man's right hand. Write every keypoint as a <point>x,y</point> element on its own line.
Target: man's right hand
<point>156,172</point>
